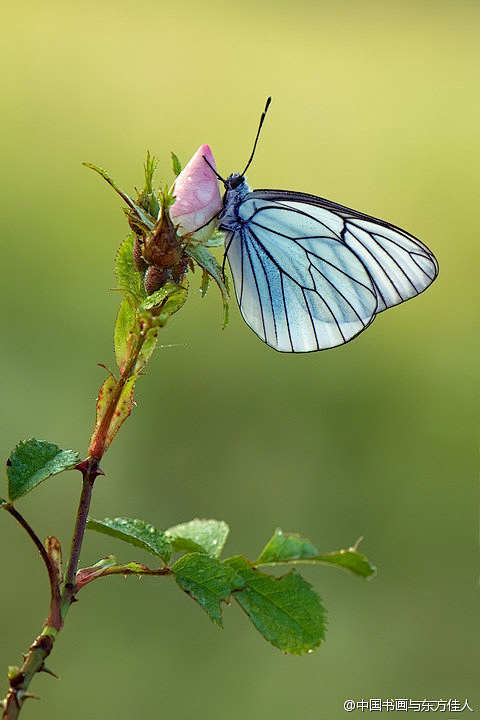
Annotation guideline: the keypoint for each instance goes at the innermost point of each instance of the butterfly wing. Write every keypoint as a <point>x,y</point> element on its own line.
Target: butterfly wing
<point>310,275</point>
<point>400,265</point>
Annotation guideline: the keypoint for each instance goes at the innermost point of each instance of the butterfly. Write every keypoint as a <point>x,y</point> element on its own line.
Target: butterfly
<point>310,274</point>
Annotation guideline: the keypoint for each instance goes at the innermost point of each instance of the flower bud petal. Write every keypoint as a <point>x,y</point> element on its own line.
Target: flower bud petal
<point>197,197</point>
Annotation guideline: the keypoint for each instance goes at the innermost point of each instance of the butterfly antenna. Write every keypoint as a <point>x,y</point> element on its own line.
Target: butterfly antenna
<point>269,100</point>
<point>219,177</point>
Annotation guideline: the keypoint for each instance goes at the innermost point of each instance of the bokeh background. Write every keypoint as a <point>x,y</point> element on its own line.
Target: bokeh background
<point>375,105</point>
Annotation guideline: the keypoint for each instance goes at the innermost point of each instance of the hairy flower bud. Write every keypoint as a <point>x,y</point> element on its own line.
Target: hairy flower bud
<point>197,197</point>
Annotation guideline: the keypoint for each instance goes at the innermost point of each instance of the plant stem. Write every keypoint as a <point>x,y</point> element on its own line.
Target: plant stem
<point>51,569</point>
<point>90,470</point>
<point>20,678</point>
<point>54,619</point>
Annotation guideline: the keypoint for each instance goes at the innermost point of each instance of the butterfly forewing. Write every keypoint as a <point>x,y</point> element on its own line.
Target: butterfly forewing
<point>400,265</point>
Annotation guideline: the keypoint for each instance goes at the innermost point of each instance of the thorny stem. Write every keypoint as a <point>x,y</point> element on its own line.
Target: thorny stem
<point>34,661</point>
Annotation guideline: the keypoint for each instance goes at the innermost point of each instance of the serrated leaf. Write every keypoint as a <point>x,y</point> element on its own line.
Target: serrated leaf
<point>208,262</point>
<point>128,278</point>
<point>206,536</point>
<point>286,610</point>
<point>135,532</point>
<point>208,581</point>
<point>120,398</point>
<point>33,461</point>
<point>289,547</point>
<point>124,325</point>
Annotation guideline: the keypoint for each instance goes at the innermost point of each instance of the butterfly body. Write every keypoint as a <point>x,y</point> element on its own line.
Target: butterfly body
<point>310,274</point>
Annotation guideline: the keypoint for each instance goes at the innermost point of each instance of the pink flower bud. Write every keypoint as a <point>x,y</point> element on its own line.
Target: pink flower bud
<point>197,197</point>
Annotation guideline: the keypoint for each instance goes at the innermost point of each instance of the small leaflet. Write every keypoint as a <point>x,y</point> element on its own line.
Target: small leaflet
<point>207,536</point>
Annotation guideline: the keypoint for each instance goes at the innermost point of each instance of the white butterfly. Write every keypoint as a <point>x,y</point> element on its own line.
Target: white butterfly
<point>310,274</point>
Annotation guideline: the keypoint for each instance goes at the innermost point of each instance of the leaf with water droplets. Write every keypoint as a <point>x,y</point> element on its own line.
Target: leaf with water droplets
<point>285,610</point>
<point>136,532</point>
<point>206,536</point>
<point>208,581</point>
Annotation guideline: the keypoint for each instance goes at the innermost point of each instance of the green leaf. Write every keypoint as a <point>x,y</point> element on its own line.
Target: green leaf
<point>136,532</point>
<point>33,461</point>
<point>125,323</point>
<point>208,262</point>
<point>128,278</point>
<point>286,610</point>
<point>208,581</point>
<point>176,164</point>
<point>205,536</point>
<point>288,547</point>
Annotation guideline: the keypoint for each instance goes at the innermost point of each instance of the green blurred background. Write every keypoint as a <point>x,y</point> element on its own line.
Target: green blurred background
<point>375,105</point>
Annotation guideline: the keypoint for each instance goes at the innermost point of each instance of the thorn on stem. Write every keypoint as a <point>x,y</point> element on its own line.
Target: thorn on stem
<point>48,671</point>
<point>90,465</point>
<point>21,696</point>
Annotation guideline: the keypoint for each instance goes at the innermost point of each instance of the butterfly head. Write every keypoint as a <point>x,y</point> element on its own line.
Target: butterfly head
<point>234,181</point>
<point>235,189</point>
